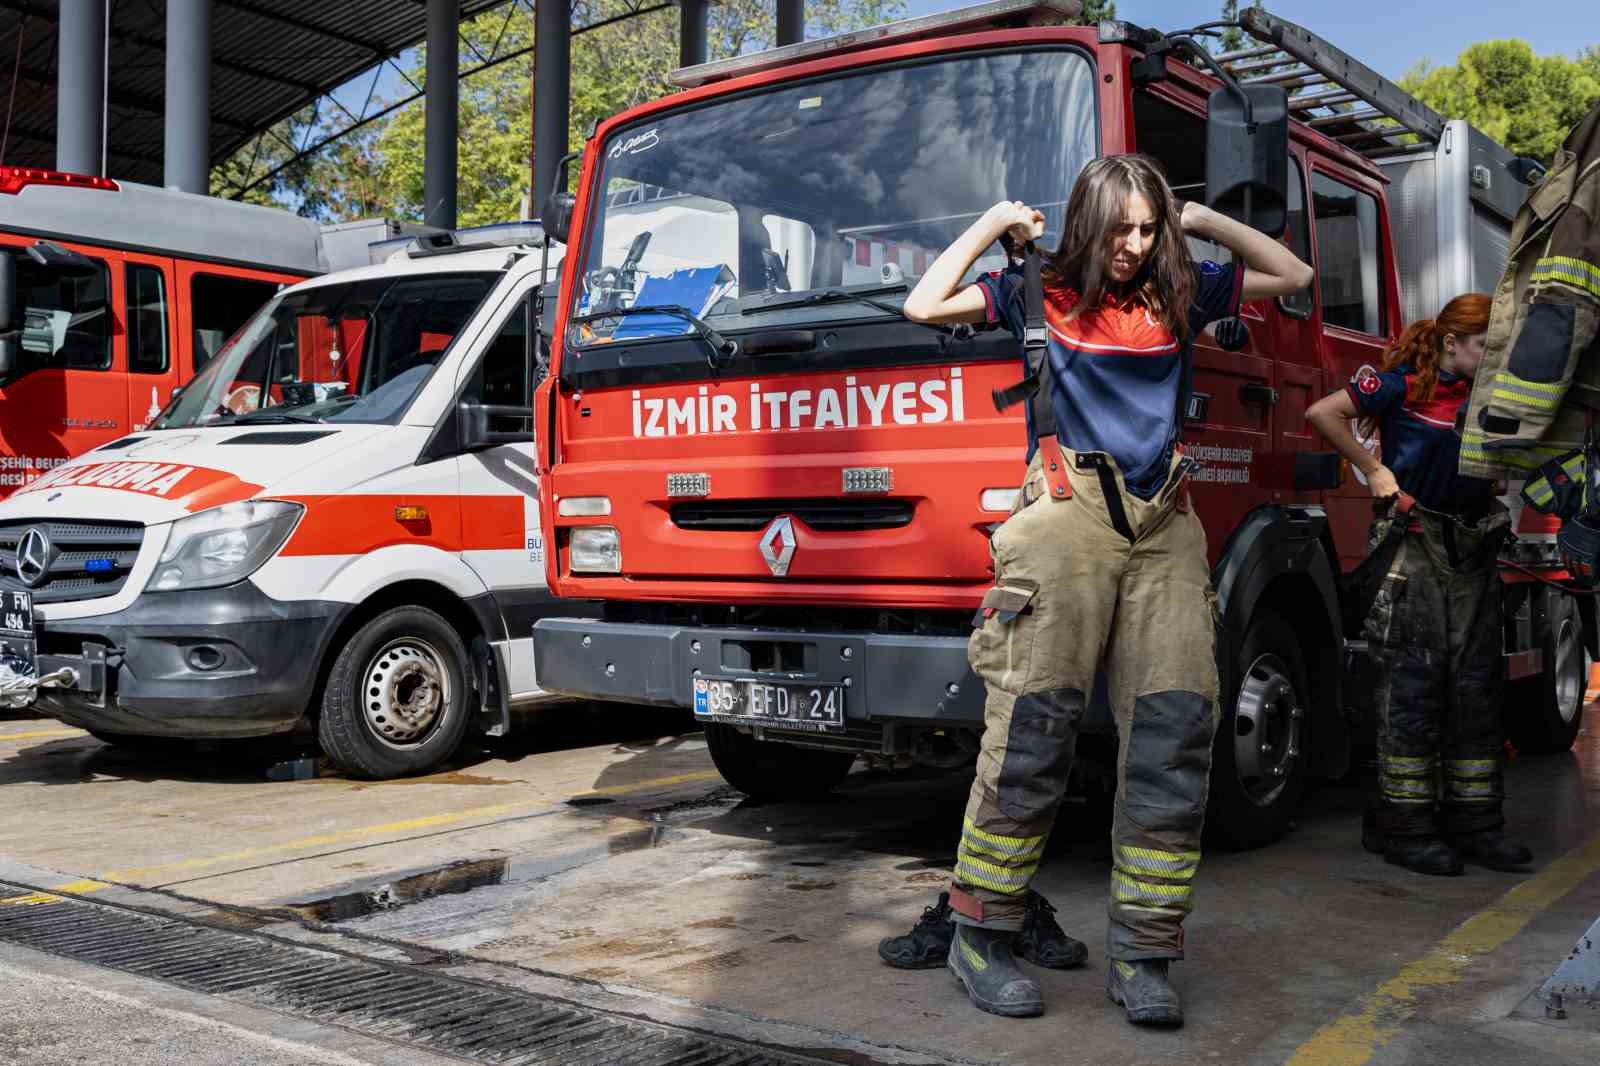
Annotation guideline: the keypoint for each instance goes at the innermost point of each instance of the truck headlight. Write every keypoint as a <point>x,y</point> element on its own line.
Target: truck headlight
<point>596,550</point>
<point>223,545</point>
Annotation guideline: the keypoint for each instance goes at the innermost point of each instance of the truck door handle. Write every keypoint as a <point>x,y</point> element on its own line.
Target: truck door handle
<point>1255,392</point>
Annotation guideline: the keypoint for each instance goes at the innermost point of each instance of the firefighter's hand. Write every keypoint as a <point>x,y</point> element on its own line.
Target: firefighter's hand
<point>1016,219</point>
<point>1382,484</point>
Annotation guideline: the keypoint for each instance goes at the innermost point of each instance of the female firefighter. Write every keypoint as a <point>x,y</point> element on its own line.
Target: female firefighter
<point>1434,624</point>
<point>1101,562</point>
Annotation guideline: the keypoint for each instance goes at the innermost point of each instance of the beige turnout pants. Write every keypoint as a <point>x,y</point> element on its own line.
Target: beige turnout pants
<point>1073,593</point>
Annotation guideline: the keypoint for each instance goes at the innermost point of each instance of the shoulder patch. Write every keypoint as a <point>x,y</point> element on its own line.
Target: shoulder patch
<point>1207,266</point>
<point>1367,380</point>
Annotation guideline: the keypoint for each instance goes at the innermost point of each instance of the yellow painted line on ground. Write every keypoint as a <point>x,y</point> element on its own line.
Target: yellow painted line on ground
<point>35,734</point>
<point>33,899</point>
<point>366,832</point>
<point>1356,1037</point>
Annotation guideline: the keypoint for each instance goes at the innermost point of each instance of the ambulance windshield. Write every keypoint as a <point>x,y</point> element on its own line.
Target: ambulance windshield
<point>353,352</point>
<point>736,209</point>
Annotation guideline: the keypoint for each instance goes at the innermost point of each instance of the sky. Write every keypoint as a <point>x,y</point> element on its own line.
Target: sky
<point>1436,30</point>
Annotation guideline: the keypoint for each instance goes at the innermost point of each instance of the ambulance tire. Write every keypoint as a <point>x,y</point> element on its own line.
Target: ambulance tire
<point>1543,714</point>
<point>346,730</point>
<point>767,770</point>
<point>1251,804</point>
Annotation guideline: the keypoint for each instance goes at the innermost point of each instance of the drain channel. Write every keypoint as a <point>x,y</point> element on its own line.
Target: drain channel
<point>391,1001</point>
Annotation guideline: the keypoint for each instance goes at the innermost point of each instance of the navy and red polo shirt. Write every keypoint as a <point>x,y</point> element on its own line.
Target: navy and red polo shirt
<point>1117,369</point>
<point>1418,437</point>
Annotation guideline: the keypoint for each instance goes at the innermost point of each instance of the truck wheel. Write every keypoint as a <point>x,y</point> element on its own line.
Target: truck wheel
<point>1543,714</point>
<point>769,770</point>
<point>396,700</point>
<point>1258,764</point>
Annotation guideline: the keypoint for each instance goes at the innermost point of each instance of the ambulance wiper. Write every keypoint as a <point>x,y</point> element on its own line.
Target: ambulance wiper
<point>831,296</point>
<point>275,416</point>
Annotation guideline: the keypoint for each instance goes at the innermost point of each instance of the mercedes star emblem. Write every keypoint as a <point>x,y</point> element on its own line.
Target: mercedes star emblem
<point>777,546</point>
<point>33,556</point>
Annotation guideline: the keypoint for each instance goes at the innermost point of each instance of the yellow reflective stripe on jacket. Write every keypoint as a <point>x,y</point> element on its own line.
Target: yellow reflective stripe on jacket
<point>1578,273</point>
<point>1512,389</point>
<point>1179,865</point>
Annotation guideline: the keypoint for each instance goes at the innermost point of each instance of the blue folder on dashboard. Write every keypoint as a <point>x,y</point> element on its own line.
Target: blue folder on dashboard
<point>695,289</point>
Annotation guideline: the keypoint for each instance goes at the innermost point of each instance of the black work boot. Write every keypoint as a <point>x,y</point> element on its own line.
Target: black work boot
<point>1423,855</point>
<point>1141,988</point>
<point>1492,848</point>
<point>981,960</point>
<point>1043,942</point>
<point>928,943</point>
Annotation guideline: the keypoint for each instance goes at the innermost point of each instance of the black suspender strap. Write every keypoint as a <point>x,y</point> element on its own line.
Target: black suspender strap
<point>1035,385</point>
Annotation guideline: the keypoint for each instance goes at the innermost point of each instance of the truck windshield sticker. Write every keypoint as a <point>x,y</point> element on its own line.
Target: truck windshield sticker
<point>848,406</point>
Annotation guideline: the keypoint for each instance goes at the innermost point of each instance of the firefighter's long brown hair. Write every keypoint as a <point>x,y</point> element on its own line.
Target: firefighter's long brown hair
<point>1421,346</point>
<point>1165,280</point>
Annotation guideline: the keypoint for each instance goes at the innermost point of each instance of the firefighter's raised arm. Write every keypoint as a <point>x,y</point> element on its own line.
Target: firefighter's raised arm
<point>935,298</point>
<point>1271,269</point>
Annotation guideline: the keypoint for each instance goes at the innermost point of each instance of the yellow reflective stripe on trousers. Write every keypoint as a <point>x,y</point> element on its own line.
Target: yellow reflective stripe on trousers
<point>1578,273</point>
<point>996,844</point>
<point>1125,889</point>
<point>1179,865</point>
<point>1471,767</point>
<point>1408,786</point>
<point>1457,787</point>
<point>1408,764</point>
<point>974,847</point>
<point>1008,882</point>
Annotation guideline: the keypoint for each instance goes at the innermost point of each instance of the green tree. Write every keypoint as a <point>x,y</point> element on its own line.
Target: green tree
<point>1233,39</point>
<point>1097,11</point>
<point>1525,101</point>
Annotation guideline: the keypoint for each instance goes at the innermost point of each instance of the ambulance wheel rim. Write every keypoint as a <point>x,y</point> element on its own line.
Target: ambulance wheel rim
<point>1267,730</point>
<point>404,692</point>
<point>1569,673</point>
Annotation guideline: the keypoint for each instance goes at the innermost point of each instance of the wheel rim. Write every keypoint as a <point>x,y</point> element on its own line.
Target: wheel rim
<point>1569,679</point>
<point>1266,730</point>
<point>405,690</point>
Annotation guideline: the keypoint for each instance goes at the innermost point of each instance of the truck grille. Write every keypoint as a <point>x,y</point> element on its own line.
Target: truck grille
<point>87,559</point>
<point>747,516</point>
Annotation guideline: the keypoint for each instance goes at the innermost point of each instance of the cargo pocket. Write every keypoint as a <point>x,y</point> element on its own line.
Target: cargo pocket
<point>1169,758</point>
<point>1379,628</point>
<point>1002,646</point>
<point>1039,747</point>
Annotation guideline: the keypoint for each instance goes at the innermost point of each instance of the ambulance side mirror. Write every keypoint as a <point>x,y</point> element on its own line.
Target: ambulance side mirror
<point>10,336</point>
<point>1247,156</point>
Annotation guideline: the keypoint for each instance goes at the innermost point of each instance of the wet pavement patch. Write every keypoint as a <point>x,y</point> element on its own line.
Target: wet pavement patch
<point>447,880</point>
<point>589,801</point>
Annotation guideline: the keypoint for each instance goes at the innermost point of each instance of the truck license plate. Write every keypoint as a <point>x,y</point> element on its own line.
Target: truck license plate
<point>17,638</point>
<point>780,705</point>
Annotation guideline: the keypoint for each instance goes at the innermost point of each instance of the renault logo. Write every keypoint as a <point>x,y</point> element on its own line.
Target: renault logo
<point>34,554</point>
<point>777,546</point>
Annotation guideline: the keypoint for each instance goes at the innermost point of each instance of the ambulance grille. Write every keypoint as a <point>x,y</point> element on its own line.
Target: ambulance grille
<point>824,516</point>
<point>88,560</point>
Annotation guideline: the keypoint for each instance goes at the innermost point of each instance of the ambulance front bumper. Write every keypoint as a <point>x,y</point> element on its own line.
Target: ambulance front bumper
<point>886,677</point>
<point>230,662</point>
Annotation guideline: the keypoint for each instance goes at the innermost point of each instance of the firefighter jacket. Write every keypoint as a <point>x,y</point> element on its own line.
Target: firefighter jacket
<point>1540,378</point>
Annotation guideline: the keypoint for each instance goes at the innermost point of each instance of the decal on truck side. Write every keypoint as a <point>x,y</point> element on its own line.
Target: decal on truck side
<point>852,405</point>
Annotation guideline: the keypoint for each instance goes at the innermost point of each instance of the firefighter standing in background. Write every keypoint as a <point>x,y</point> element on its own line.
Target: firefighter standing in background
<point>1102,562</point>
<point>1435,622</point>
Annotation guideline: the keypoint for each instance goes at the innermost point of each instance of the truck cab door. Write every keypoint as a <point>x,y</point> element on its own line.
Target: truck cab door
<point>150,323</point>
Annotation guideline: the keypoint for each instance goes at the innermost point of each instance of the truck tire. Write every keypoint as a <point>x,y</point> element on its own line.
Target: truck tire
<point>1258,764</point>
<point>770,770</point>
<point>1543,714</point>
<point>398,698</point>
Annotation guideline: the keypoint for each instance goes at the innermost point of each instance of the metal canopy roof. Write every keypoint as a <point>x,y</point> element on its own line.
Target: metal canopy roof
<point>269,58</point>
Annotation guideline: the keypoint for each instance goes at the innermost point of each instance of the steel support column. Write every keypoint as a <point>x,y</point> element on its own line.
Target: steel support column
<point>552,91</point>
<point>81,86</point>
<point>440,115</point>
<point>791,21</point>
<point>691,32</point>
<point>187,145</point>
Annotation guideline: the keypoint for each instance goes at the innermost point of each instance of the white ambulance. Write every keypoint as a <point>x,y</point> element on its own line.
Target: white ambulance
<point>336,521</point>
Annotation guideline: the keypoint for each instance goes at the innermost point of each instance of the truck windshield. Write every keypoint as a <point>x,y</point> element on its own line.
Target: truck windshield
<point>855,182</point>
<point>352,352</point>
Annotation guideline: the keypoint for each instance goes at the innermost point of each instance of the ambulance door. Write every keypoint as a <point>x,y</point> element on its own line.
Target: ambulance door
<point>150,323</point>
<point>67,393</point>
<point>500,491</point>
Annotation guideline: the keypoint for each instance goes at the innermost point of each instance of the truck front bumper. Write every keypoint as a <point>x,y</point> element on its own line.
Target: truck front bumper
<point>230,662</point>
<point>890,678</point>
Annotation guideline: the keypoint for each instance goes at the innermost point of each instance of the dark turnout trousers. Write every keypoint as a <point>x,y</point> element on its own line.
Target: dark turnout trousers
<point>1083,577</point>
<point>1435,632</point>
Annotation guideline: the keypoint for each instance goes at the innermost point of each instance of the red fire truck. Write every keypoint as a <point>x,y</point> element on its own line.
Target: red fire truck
<point>781,490</point>
<point>113,295</point>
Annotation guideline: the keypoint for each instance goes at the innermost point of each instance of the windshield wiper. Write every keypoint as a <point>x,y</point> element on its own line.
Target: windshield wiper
<point>275,416</point>
<point>717,345</point>
<point>832,296</point>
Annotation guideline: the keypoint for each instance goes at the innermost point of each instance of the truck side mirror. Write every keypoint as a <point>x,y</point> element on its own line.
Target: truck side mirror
<point>556,214</point>
<point>10,345</point>
<point>1247,156</point>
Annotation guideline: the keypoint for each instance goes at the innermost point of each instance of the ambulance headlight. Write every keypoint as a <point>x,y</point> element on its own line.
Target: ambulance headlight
<point>223,545</point>
<point>595,550</point>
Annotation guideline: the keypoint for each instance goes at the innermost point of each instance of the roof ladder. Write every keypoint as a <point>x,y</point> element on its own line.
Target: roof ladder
<point>1331,91</point>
